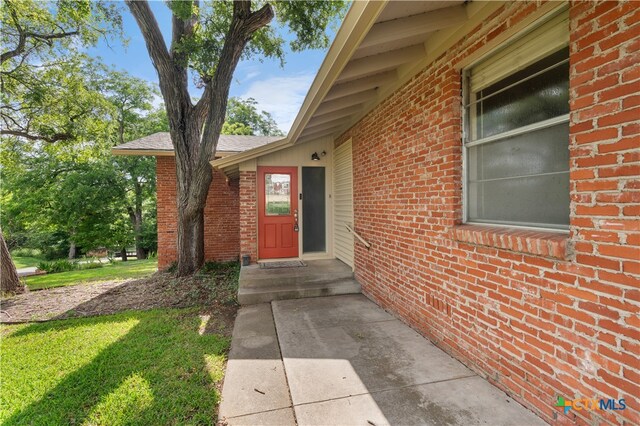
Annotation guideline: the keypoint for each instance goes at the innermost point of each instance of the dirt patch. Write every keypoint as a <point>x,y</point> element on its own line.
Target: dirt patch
<point>214,291</point>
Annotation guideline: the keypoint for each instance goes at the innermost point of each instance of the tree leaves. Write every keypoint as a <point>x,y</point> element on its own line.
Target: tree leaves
<point>76,190</point>
<point>43,29</point>
<point>243,118</point>
<point>56,102</point>
<point>307,20</point>
<point>48,85</point>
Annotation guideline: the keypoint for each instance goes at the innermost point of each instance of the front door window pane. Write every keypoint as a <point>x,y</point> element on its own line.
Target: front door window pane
<point>277,194</point>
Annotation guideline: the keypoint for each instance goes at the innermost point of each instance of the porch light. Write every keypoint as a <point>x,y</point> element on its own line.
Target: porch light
<point>316,157</point>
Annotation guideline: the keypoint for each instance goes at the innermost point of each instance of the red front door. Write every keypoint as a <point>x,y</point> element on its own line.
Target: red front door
<point>277,212</point>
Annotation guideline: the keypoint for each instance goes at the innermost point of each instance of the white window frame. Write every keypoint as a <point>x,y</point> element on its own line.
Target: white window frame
<point>466,89</point>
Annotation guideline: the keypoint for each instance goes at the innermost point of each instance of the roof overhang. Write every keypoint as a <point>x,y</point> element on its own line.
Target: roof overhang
<point>162,152</point>
<point>159,145</point>
<point>380,46</point>
<point>360,17</point>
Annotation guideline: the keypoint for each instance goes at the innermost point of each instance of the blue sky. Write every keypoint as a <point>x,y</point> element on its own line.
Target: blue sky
<point>278,90</point>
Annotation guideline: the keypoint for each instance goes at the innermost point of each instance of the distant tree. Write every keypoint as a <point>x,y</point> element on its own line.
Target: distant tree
<point>53,190</point>
<point>243,118</point>
<point>85,202</point>
<point>210,39</point>
<point>47,91</point>
<point>236,129</point>
<point>43,96</point>
<point>134,117</point>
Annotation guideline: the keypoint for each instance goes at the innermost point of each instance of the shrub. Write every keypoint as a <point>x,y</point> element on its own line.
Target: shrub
<point>63,265</point>
<point>54,266</point>
<point>26,252</point>
<point>90,265</point>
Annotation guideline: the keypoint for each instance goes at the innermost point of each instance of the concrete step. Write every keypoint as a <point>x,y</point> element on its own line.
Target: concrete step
<point>298,290</point>
<point>319,278</point>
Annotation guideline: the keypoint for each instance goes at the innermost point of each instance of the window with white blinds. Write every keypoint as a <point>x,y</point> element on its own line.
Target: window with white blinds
<point>517,131</point>
<point>540,42</point>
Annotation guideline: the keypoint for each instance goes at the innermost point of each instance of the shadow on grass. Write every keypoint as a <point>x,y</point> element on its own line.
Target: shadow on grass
<point>213,288</point>
<point>152,367</point>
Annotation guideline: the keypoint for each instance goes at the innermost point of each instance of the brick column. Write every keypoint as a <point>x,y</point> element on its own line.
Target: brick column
<point>167,211</point>
<point>249,215</point>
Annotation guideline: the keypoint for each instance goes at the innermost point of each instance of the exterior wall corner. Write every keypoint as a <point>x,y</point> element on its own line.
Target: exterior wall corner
<point>249,215</point>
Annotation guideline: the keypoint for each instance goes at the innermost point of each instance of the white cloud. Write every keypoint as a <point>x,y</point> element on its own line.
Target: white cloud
<point>280,96</point>
<point>248,70</point>
<point>252,74</point>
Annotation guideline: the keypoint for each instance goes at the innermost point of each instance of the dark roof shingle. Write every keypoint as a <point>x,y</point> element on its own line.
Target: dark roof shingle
<point>227,143</point>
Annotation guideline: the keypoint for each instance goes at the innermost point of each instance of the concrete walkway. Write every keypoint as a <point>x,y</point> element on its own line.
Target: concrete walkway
<point>342,360</point>
<point>27,272</point>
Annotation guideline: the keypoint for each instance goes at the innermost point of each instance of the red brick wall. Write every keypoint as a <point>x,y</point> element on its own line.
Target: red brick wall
<point>537,314</point>
<point>221,224</point>
<point>249,215</point>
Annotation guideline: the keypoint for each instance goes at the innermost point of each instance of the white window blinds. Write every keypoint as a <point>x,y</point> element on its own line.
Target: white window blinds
<point>545,39</point>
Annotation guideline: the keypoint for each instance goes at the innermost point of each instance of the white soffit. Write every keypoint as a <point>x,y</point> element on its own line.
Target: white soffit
<point>396,39</point>
<point>375,46</point>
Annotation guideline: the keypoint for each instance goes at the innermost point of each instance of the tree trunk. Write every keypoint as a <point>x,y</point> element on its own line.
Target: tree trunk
<point>72,250</point>
<point>191,217</point>
<point>190,241</point>
<point>141,252</point>
<point>135,215</point>
<point>123,254</point>
<point>195,129</point>
<point>9,280</point>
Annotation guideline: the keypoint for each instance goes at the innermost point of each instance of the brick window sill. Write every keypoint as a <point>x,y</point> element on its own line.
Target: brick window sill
<point>537,243</point>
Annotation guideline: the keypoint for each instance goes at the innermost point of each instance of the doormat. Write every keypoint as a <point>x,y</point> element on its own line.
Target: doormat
<point>283,264</point>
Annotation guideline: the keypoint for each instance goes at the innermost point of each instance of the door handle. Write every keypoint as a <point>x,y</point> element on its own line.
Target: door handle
<point>296,228</point>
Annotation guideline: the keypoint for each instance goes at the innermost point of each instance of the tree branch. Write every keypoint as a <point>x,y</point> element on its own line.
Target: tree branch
<point>23,134</point>
<point>52,36</point>
<point>172,76</point>
<point>243,25</point>
<point>24,35</point>
<point>22,39</point>
<point>182,28</point>
<point>151,33</point>
<point>242,8</point>
<point>257,20</point>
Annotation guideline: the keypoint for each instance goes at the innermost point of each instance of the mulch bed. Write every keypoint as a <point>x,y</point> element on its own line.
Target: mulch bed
<point>213,292</point>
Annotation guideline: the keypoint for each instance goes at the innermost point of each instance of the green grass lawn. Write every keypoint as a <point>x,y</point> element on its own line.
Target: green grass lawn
<point>134,368</point>
<point>110,271</point>
<point>25,261</point>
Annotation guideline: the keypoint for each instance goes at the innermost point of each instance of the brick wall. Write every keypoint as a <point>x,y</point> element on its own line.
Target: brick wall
<point>249,215</point>
<point>537,314</point>
<point>221,223</point>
